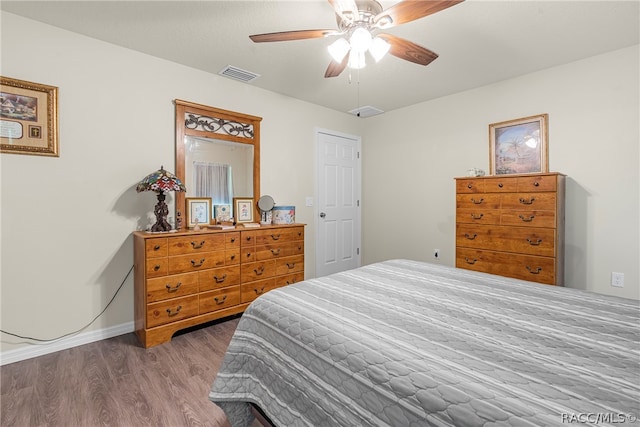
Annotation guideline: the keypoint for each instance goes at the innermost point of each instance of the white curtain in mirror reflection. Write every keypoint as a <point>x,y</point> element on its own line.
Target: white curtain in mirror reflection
<point>213,180</point>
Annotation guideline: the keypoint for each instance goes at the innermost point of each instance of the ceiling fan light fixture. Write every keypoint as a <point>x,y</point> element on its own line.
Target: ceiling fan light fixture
<point>379,48</point>
<point>360,40</point>
<point>338,49</point>
<point>356,60</point>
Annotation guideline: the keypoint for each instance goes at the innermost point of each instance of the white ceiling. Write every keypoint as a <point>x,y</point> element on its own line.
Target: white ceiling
<point>479,42</point>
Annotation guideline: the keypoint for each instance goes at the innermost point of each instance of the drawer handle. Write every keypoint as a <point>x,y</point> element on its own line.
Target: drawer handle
<point>220,279</point>
<point>275,236</point>
<point>156,267</point>
<point>470,261</point>
<point>248,254</point>
<point>173,313</point>
<point>156,248</point>
<point>469,186</point>
<point>526,219</point>
<point>197,245</point>
<point>233,257</point>
<point>290,266</point>
<point>477,202</point>
<point>536,184</point>
<point>248,238</point>
<point>291,282</point>
<point>275,251</point>
<point>259,271</point>
<point>259,291</point>
<point>173,288</point>
<point>233,240</point>
<point>474,216</point>
<point>534,243</point>
<point>196,264</point>
<point>500,185</point>
<point>527,202</point>
<point>470,237</point>
<point>536,271</point>
<point>299,233</point>
<point>221,300</point>
<point>299,247</point>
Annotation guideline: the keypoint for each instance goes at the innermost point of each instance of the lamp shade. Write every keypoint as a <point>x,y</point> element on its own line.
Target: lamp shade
<point>160,181</point>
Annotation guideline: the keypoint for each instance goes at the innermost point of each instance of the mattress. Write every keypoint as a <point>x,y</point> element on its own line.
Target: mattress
<point>406,343</point>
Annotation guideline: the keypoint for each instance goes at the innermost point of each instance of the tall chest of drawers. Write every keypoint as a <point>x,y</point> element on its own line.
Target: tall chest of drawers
<point>512,225</point>
<point>187,278</point>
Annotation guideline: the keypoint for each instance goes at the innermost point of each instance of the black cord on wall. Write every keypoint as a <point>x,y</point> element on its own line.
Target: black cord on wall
<point>84,327</point>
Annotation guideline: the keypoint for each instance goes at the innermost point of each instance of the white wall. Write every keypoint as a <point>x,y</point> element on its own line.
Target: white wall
<point>67,221</point>
<point>593,107</point>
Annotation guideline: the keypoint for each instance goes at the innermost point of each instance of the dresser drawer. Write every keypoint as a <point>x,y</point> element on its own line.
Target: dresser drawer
<point>247,238</point>
<point>219,299</point>
<point>289,279</point>
<point>219,278</point>
<point>526,240</point>
<point>501,184</point>
<point>525,267</point>
<point>174,286</point>
<point>475,185</point>
<point>539,201</point>
<point>482,201</point>
<point>232,240</point>
<point>478,216</point>
<point>264,252</point>
<point>258,270</point>
<point>529,218</point>
<point>156,267</point>
<point>196,262</point>
<point>197,243</point>
<point>253,290</point>
<point>538,183</point>
<point>232,256</point>
<point>171,310</point>
<point>274,236</point>
<point>155,248</point>
<point>288,265</point>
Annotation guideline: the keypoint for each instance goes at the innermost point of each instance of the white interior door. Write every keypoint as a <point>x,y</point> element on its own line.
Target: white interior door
<point>338,208</point>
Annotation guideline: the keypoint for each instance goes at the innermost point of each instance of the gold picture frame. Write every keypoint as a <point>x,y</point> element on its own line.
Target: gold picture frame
<point>519,146</point>
<point>243,209</point>
<point>28,118</point>
<point>198,211</point>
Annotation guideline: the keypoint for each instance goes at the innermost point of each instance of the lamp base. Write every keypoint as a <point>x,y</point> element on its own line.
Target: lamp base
<point>161,211</point>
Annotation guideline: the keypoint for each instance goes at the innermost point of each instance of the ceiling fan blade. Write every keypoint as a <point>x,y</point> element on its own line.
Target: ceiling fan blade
<point>336,68</point>
<point>409,51</point>
<point>292,35</point>
<point>346,9</point>
<point>410,10</point>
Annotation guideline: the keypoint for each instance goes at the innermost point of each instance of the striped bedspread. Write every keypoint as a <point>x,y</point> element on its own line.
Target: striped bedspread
<point>405,343</point>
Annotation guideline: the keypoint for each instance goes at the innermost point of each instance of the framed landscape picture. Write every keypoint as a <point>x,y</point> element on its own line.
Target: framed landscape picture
<point>519,146</point>
<point>28,118</point>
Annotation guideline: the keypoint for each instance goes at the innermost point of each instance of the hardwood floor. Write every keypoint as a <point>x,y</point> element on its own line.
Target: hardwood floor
<point>117,382</point>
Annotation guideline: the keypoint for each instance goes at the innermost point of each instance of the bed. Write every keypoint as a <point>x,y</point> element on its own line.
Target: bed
<point>406,343</point>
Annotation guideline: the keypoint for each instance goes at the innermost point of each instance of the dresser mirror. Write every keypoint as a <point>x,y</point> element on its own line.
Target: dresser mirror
<point>217,155</point>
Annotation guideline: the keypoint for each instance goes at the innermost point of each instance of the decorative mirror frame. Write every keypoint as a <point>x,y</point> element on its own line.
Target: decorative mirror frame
<point>209,122</point>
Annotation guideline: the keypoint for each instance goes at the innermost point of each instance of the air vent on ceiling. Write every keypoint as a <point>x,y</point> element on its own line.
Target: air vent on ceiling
<point>366,111</point>
<point>238,74</point>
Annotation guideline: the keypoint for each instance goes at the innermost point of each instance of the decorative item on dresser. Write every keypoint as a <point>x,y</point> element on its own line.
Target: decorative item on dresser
<point>188,278</point>
<point>512,225</point>
<point>161,181</point>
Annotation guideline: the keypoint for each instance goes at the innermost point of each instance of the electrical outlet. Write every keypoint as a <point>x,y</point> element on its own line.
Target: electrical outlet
<point>617,279</point>
<point>436,253</point>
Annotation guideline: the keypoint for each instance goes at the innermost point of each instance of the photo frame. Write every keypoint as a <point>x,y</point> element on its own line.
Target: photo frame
<point>519,146</point>
<point>243,209</point>
<point>222,213</point>
<point>198,211</point>
<point>28,118</point>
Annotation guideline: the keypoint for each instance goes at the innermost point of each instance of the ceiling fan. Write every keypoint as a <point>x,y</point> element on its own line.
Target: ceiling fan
<point>358,21</point>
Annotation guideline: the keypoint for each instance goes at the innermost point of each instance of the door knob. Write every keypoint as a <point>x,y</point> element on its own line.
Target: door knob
<point>322,214</point>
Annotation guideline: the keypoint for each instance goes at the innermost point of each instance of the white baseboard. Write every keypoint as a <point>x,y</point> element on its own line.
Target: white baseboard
<point>39,349</point>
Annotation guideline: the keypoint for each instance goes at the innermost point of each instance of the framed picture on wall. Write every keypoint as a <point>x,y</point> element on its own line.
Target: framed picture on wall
<point>198,211</point>
<point>519,146</point>
<point>28,118</point>
<point>243,209</point>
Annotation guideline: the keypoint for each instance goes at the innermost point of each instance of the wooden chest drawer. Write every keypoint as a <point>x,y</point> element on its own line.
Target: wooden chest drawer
<point>258,270</point>
<point>526,240</point>
<point>232,256</point>
<point>166,287</point>
<point>539,201</point>
<point>219,299</point>
<point>156,267</point>
<point>247,238</point>
<point>292,264</point>
<point>478,216</point>
<point>196,262</point>
<point>155,248</point>
<point>232,240</point>
<point>501,184</point>
<point>219,278</point>
<point>253,290</point>
<point>529,218</point>
<point>473,185</point>
<point>196,244</point>
<point>280,235</point>
<point>538,183</point>
<point>280,250</point>
<point>525,267</point>
<point>171,310</point>
<point>482,201</point>
<point>289,279</point>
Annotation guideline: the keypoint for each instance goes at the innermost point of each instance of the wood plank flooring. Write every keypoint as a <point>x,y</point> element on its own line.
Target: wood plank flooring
<point>117,382</point>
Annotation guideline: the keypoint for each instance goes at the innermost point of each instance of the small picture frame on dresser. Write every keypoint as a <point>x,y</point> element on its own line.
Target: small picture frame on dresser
<point>243,209</point>
<point>198,211</point>
<point>519,146</point>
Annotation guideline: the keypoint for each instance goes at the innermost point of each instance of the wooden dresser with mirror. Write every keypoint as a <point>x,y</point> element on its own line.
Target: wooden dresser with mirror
<point>185,277</point>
